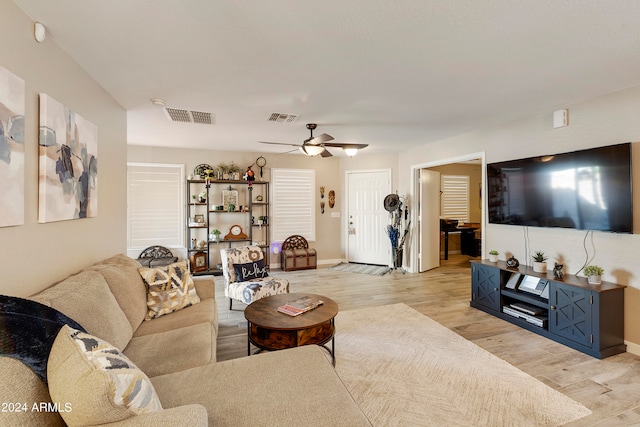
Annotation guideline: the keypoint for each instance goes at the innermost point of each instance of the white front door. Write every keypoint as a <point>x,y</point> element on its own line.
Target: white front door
<point>429,216</point>
<point>367,219</point>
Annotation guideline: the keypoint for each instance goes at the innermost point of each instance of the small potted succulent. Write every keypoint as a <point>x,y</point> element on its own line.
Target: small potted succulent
<point>594,274</point>
<point>539,262</point>
<point>493,255</point>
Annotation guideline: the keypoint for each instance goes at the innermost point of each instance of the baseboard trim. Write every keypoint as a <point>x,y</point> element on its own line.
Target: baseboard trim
<point>276,265</point>
<point>331,261</point>
<point>633,348</point>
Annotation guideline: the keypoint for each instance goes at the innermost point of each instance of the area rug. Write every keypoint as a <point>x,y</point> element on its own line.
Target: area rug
<point>350,267</point>
<point>405,369</point>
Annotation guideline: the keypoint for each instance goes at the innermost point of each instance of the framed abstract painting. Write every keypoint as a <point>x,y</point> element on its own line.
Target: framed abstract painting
<point>68,168</point>
<point>12,108</point>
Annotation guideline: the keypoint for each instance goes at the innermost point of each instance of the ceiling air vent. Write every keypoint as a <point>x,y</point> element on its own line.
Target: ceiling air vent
<point>189,116</point>
<point>282,118</point>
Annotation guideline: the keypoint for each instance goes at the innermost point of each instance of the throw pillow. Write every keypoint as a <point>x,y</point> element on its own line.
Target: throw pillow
<point>27,331</point>
<point>169,288</point>
<point>94,382</point>
<point>250,270</point>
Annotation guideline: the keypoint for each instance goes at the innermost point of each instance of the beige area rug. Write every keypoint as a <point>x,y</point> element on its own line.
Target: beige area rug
<point>404,369</point>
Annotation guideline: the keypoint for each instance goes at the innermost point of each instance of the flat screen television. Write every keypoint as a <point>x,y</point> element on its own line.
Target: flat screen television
<point>585,190</point>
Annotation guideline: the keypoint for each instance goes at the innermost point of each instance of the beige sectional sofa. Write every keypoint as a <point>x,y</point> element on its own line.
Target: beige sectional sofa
<point>177,351</point>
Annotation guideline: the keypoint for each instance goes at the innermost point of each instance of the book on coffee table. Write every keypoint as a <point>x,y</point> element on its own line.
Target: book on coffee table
<point>299,306</point>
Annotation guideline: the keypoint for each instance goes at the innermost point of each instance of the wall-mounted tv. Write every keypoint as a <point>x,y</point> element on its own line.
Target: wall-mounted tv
<point>586,190</point>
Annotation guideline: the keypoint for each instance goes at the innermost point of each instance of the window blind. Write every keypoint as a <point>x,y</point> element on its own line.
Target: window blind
<point>155,205</point>
<point>455,197</point>
<point>293,203</point>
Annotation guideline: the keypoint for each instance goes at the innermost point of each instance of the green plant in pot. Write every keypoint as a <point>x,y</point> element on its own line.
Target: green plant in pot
<point>493,255</point>
<point>215,235</point>
<point>539,262</point>
<point>594,274</point>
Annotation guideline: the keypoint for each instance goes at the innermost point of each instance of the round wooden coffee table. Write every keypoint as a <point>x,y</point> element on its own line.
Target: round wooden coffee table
<point>268,329</point>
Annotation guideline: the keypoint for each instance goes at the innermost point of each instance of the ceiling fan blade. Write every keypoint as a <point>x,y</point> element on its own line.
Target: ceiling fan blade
<point>358,146</point>
<point>279,143</point>
<point>326,153</point>
<point>287,152</point>
<point>320,139</point>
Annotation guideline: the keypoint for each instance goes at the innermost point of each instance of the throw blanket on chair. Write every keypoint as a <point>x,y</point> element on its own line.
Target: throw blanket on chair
<point>28,329</point>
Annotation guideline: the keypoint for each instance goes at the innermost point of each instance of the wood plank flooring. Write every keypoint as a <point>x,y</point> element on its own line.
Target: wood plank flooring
<point>609,387</point>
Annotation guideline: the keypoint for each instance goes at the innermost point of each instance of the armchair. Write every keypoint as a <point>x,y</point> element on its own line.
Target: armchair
<point>245,275</point>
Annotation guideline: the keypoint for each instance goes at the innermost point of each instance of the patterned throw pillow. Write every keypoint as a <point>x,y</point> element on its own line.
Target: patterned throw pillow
<point>94,382</point>
<point>169,288</point>
<point>250,271</point>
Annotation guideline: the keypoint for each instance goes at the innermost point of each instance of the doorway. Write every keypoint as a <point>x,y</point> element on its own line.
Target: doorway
<point>367,241</point>
<point>428,236</point>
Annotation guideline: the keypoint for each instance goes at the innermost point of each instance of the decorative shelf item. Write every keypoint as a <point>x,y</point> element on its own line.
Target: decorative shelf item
<point>200,170</point>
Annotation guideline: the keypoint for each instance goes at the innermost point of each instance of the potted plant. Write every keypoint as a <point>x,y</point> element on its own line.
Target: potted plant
<point>493,255</point>
<point>539,262</point>
<point>215,235</point>
<point>594,274</point>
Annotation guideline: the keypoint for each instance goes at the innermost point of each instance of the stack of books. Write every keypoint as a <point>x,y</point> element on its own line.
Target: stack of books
<point>299,306</point>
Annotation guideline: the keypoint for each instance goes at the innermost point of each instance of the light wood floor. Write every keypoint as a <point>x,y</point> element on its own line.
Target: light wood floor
<point>609,387</point>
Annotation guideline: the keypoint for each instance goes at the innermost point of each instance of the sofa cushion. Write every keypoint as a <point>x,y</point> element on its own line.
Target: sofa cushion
<point>19,383</point>
<point>126,284</point>
<point>94,382</point>
<point>297,386</point>
<point>174,350</point>
<point>169,288</point>
<point>206,311</point>
<point>250,270</point>
<point>87,299</point>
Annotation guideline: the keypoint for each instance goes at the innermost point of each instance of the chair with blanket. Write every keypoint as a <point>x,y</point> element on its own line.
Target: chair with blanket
<point>246,277</point>
<point>296,254</point>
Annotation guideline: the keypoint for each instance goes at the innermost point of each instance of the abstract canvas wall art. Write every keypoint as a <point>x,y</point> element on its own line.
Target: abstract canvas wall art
<point>12,107</point>
<point>68,178</point>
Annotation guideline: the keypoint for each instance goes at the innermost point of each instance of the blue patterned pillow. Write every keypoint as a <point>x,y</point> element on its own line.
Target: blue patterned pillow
<point>250,271</point>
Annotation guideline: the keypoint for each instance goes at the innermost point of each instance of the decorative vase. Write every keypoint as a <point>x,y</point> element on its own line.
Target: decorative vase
<point>540,267</point>
<point>594,279</point>
<point>493,258</point>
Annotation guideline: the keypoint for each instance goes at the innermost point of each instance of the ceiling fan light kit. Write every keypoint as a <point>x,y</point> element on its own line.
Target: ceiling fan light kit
<point>350,151</point>
<point>312,150</point>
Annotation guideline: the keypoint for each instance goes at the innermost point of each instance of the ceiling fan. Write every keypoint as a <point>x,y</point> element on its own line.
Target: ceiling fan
<point>313,146</point>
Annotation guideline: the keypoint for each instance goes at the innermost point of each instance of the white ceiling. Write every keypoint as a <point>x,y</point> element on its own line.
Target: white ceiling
<point>392,74</point>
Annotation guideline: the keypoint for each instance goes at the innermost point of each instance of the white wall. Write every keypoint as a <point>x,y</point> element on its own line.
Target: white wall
<point>34,256</point>
<point>606,120</point>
